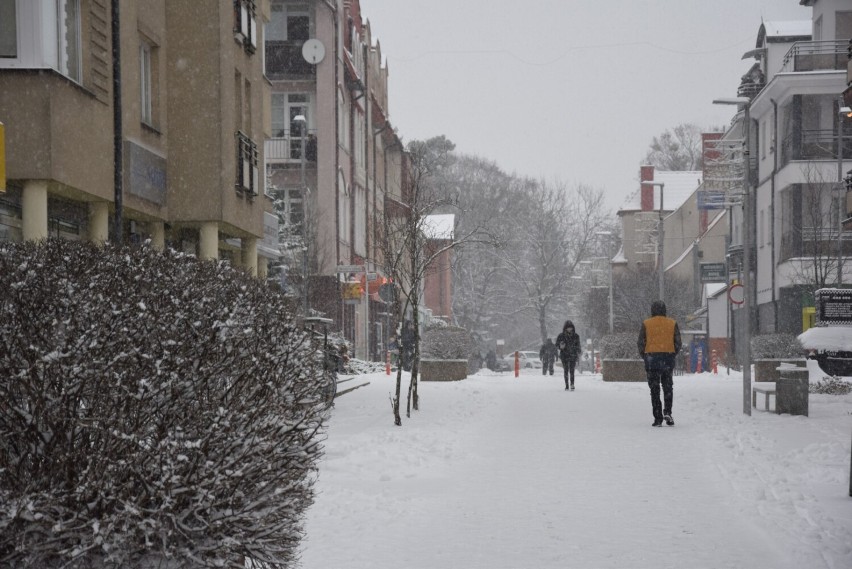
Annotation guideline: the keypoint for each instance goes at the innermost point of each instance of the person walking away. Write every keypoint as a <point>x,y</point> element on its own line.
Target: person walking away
<point>659,342</point>
<point>547,353</point>
<point>568,343</point>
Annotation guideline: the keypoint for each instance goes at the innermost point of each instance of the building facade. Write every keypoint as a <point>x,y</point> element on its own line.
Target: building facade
<point>168,133</point>
<point>334,159</point>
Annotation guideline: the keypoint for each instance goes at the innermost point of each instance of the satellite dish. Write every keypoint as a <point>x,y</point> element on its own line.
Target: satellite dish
<point>313,51</point>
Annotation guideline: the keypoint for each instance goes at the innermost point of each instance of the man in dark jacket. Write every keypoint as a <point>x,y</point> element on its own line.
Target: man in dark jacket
<point>568,343</point>
<point>659,342</point>
<point>547,353</point>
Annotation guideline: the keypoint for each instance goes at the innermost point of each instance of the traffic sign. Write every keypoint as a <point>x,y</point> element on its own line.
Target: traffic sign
<point>736,294</point>
<point>351,269</point>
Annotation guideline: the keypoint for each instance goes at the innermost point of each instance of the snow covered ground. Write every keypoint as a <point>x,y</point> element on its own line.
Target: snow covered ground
<point>497,472</point>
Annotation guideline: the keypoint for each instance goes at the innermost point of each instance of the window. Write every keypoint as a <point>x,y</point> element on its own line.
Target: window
<point>248,179</point>
<point>762,139</point>
<point>285,108</point>
<point>67,29</point>
<point>8,29</point>
<point>289,22</point>
<point>762,236</point>
<point>146,105</point>
<point>245,24</point>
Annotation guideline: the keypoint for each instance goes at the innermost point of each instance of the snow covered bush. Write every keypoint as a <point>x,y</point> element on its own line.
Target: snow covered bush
<point>831,385</point>
<point>619,347</point>
<point>776,346</point>
<point>447,343</point>
<point>155,411</point>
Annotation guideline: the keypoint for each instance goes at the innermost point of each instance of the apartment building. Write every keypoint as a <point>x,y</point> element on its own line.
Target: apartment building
<point>334,160</point>
<point>800,148</point>
<point>174,124</point>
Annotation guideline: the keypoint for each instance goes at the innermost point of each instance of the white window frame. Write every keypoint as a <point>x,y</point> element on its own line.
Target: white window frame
<point>41,41</point>
<point>146,105</point>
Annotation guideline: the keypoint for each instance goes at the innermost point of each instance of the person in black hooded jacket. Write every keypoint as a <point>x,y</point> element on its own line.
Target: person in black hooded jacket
<point>568,343</point>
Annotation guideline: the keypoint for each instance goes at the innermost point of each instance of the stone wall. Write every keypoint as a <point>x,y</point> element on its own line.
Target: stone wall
<point>443,370</point>
<point>623,370</point>
<point>767,369</point>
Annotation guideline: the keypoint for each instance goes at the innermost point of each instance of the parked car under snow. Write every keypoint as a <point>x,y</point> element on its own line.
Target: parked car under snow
<point>831,347</point>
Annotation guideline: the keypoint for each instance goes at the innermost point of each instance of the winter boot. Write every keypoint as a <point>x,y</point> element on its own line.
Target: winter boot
<point>669,421</point>
<point>572,386</point>
<point>657,423</point>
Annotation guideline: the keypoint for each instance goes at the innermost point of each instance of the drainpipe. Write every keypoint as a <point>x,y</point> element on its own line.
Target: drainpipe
<point>118,233</point>
<point>772,210</point>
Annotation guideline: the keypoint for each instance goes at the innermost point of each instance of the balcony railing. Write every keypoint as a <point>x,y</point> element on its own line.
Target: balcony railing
<point>285,148</point>
<point>816,56</point>
<point>814,144</point>
<point>284,61</point>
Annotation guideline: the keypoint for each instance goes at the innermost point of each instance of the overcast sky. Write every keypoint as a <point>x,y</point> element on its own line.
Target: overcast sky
<point>565,89</point>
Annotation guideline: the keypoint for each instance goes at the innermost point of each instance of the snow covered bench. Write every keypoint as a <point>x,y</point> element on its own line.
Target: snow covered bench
<point>765,387</point>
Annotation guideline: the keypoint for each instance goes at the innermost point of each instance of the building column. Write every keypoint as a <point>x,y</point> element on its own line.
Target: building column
<point>262,268</point>
<point>157,230</point>
<point>249,252</point>
<point>34,210</point>
<point>208,241</point>
<point>98,222</point>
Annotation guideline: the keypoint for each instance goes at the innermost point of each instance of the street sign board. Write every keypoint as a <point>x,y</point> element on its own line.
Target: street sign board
<point>713,272</point>
<point>351,268</point>
<point>833,307</point>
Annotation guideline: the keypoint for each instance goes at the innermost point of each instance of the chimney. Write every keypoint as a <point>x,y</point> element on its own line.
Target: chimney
<point>646,174</point>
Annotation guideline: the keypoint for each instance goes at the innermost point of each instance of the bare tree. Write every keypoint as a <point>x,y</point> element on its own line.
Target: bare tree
<point>407,254</point>
<point>677,149</point>
<point>809,239</point>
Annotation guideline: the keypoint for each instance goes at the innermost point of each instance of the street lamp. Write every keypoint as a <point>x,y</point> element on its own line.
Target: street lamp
<point>745,102</point>
<point>608,234</point>
<point>661,265</point>
<point>842,112</point>
<point>303,127</point>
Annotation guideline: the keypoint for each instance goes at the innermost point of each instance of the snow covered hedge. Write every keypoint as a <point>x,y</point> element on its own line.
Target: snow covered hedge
<point>776,346</point>
<point>447,343</point>
<point>155,411</point>
<point>620,346</point>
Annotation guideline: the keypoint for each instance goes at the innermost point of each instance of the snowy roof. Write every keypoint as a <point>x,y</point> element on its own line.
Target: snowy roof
<point>677,187</point>
<point>439,226</point>
<point>619,258</point>
<point>713,289</point>
<point>834,338</point>
<point>783,29</point>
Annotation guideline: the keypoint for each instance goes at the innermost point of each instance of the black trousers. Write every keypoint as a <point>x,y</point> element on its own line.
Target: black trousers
<point>568,370</point>
<point>547,365</point>
<point>656,379</point>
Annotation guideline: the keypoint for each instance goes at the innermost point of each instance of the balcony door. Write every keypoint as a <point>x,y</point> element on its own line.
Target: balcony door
<point>285,108</point>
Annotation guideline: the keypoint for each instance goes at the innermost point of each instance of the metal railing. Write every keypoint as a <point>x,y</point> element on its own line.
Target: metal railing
<point>816,56</point>
<point>286,148</point>
<point>814,144</point>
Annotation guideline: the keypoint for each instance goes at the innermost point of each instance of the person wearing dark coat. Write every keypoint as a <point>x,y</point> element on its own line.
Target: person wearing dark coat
<point>568,343</point>
<point>659,343</point>
<point>547,353</point>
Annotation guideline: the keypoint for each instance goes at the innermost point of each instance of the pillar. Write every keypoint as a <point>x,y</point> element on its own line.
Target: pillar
<point>249,251</point>
<point>262,268</point>
<point>208,241</point>
<point>34,210</point>
<point>157,230</point>
<point>98,222</point>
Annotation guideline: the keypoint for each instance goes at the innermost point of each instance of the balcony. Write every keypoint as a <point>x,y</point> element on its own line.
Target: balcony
<point>816,56</point>
<point>814,144</point>
<point>284,148</point>
<point>284,61</point>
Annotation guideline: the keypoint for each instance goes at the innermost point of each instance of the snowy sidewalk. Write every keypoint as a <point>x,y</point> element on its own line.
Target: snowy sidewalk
<point>498,472</point>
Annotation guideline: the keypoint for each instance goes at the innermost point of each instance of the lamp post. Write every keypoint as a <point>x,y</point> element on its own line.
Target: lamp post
<point>608,234</point>
<point>745,102</point>
<point>661,265</point>
<point>842,112</point>
<point>303,127</point>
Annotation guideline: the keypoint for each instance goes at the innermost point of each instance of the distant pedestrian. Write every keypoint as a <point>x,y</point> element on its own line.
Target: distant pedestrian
<point>659,342</point>
<point>568,343</point>
<point>491,360</point>
<point>406,354</point>
<point>547,354</point>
